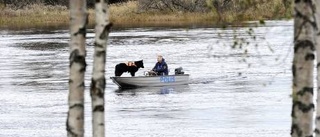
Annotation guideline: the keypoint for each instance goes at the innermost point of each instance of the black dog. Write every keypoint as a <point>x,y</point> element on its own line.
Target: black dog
<point>130,67</point>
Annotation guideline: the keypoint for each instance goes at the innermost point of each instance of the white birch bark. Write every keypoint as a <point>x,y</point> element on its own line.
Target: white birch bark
<point>317,45</point>
<point>97,89</point>
<point>302,69</point>
<point>78,23</point>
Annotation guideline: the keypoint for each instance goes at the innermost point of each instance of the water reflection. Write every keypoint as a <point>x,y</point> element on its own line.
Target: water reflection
<point>43,46</point>
<point>39,67</point>
<point>153,90</point>
<point>216,101</point>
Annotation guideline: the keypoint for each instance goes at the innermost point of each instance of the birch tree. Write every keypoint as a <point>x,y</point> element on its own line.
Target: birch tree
<point>317,42</point>
<point>78,23</point>
<point>302,69</point>
<point>98,81</point>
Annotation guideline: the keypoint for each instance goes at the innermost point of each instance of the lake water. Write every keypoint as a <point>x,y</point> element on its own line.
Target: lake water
<point>231,94</point>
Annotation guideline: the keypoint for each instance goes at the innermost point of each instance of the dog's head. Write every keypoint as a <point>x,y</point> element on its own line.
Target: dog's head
<point>139,64</point>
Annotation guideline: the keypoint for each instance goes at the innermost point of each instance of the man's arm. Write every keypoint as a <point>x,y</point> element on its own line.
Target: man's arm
<point>155,67</point>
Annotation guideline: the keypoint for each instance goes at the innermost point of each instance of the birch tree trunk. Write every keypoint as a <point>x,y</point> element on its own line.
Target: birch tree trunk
<point>78,23</point>
<point>317,41</point>
<point>302,69</point>
<point>98,83</point>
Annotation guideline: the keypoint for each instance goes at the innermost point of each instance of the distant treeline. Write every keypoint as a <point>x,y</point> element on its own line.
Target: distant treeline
<point>222,8</point>
<point>205,5</point>
<point>22,3</point>
<point>28,13</point>
<point>219,6</point>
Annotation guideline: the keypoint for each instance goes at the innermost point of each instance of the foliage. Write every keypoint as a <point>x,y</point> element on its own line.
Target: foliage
<point>130,14</point>
<point>245,9</point>
<point>173,5</point>
<point>18,4</point>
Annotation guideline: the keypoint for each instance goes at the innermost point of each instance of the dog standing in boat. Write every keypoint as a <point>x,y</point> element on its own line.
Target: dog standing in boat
<point>131,67</point>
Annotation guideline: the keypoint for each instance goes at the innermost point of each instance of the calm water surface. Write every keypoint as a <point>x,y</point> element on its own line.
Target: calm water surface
<point>226,97</point>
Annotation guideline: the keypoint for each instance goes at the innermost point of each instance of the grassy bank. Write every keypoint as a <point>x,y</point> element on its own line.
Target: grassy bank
<point>128,15</point>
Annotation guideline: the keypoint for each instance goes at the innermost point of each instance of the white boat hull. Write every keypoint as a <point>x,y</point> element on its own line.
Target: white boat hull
<point>151,81</point>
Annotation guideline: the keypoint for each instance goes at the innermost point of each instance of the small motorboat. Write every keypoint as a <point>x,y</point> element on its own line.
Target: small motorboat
<point>179,78</point>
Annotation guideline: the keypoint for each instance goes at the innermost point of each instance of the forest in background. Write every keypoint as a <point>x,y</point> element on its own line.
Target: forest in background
<point>21,4</point>
<point>133,13</point>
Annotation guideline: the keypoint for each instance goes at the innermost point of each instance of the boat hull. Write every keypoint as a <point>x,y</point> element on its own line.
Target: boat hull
<point>151,81</point>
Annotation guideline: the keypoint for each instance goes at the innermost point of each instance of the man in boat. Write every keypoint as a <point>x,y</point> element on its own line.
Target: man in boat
<point>161,67</point>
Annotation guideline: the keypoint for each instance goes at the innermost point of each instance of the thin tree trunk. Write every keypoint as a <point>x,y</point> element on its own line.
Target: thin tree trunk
<point>302,69</point>
<point>78,23</point>
<point>98,79</point>
<point>317,41</point>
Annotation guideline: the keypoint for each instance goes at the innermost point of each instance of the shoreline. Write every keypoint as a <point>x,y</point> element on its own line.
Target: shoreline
<point>126,15</point>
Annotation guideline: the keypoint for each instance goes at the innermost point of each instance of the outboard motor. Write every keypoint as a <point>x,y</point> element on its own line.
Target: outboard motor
<point>178,71</point>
